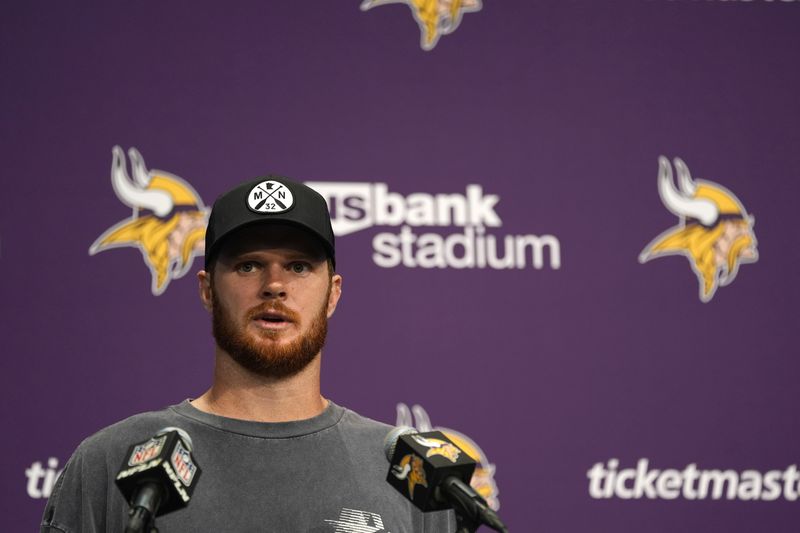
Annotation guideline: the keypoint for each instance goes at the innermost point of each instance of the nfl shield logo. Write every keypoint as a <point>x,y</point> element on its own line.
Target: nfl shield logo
<point>146,451</point>
<point>182,463</point>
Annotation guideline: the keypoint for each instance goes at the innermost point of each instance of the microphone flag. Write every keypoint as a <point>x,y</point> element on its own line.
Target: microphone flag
<point>163,461</point>
<point>421,461</point>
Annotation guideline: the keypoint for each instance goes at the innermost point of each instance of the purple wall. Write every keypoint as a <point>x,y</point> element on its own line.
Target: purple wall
<point>547,118</point>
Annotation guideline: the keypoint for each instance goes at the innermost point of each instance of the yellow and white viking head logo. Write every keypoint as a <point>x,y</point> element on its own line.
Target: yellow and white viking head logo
<point>434,17</point>
<point>411,468</point>
<point>714,231</point>
<point>483,477</point>
<point>168,221</point>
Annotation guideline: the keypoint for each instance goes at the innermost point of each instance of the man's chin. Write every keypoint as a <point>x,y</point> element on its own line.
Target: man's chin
<point>269,357</point>
<point>273,338</point>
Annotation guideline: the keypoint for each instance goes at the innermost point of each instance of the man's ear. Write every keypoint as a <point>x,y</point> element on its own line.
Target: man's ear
<point>336,293</point>
<point>205,289</point>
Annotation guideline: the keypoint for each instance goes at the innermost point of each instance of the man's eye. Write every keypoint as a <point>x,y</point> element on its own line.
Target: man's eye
<point>247,267</point>
<point>299,268</point>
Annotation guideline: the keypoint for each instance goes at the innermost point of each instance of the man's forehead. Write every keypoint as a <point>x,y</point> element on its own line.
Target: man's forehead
<point>272,236</point>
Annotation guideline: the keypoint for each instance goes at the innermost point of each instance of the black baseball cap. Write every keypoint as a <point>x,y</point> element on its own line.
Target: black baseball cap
<point>269,200</point>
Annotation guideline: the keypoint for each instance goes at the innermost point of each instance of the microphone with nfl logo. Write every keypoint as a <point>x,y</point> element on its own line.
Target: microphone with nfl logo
<point>157,476</point>
<point>434,473</point>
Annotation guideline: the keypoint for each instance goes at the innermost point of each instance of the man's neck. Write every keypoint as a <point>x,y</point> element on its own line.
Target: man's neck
<point>241,394</point>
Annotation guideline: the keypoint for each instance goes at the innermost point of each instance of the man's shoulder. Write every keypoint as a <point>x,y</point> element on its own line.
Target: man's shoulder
<point>365,431</point>
<point>359,422</point>
<point>84,497</point>
<point>122,434</point>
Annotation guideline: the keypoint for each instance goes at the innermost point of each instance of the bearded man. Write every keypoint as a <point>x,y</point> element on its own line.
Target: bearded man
<point>276,455</point>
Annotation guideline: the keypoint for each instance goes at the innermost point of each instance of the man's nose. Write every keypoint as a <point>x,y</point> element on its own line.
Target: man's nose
<point>274,284</point>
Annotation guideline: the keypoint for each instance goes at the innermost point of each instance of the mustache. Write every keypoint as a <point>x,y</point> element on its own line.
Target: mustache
<point>273,307</point>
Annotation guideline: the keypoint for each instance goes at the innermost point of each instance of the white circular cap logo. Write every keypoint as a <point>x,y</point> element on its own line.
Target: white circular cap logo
<point>270,197</point>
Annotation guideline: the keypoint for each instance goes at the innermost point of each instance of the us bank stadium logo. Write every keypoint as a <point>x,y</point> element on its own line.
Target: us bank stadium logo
<point>483,478</point>
<point>435,18</point>
<point>714,231</point>
<point>358,206</point>
<point>167,223</point>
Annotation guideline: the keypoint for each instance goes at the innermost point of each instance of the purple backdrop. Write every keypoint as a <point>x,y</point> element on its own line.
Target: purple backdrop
<point>557,111</point>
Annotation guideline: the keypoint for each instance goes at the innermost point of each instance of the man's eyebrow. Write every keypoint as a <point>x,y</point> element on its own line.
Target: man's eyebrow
<point>240,253</point>
<point>311,256</point>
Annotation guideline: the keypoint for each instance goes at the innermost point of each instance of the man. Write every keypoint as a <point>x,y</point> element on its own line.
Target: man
<point>275,455</point>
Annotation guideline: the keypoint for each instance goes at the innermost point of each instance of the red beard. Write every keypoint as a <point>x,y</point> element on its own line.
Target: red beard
<point>268,359</point>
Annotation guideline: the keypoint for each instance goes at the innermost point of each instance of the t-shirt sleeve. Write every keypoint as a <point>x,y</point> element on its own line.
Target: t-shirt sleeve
<point>78,503</point>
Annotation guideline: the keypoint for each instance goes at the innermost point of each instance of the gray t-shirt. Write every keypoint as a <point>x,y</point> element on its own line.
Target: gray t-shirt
<point>326,474</point>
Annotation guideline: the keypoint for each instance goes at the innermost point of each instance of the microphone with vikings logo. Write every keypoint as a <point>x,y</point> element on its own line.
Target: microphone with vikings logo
<point>157,476</point>
<point>432,472</point>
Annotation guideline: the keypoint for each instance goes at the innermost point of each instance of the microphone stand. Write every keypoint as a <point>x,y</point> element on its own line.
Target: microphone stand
<point>471,509</point>
<point>465,525</point>
<point>139,522</point>
<point>141,518</point>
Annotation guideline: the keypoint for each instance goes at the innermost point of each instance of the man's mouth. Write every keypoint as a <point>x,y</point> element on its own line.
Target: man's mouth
<point>272,320</point>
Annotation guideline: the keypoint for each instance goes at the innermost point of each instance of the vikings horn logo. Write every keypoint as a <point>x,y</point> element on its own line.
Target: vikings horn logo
<point>438,447</point>
<point>168,222</point>
<point>410,468</point>
<point>483,478</point>
<point>714,231</point>
<point>434,17</point>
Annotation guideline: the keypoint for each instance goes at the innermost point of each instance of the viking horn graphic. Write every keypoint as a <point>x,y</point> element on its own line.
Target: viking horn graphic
<point>135,195</point>
<point>685,181</point>
<point>421,417</point>
<point>140,175</point>
<point>401,472</point>
<point>680,202</point>
<point>404,416</point>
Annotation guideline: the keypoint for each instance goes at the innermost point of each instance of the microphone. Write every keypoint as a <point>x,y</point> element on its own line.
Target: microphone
<point>157,476</point>
<point>432,472</point>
